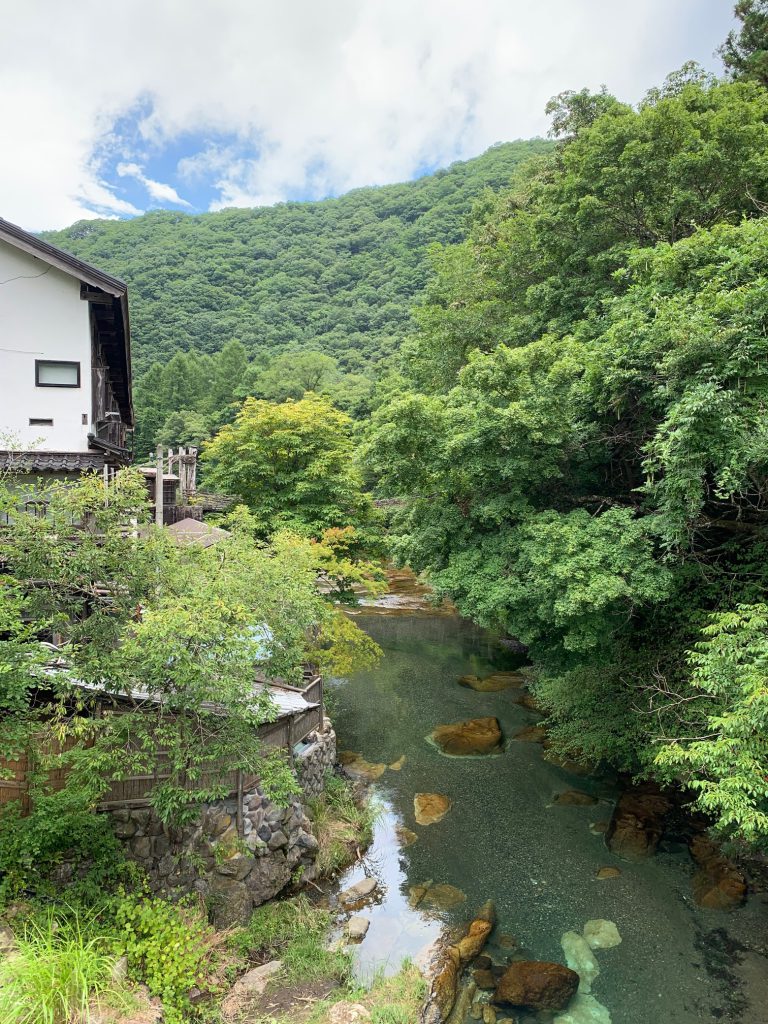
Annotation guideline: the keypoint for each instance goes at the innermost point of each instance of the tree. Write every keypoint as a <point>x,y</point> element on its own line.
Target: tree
<point>581,451</point>
<point>745,51</point>
<point>169,635</point>
<point>292,464</point>
<point>293,374</point>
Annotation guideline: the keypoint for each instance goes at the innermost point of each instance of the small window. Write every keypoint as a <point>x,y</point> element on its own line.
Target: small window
<point>39,423</point>
<point>56,374</point>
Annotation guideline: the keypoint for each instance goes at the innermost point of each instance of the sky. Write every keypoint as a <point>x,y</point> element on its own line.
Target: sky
<point>111,109</point>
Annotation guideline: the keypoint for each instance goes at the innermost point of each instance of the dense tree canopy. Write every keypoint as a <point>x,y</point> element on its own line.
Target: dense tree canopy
<point>583,442</point>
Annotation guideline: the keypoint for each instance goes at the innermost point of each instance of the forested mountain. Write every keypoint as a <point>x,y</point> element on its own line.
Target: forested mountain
<point>337,277</point>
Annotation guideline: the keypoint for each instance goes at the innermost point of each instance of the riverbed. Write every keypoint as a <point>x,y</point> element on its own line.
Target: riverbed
<point>506,839</point>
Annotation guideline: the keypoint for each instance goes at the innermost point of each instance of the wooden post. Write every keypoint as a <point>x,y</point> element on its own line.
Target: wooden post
<point>240,802</point>
<point>159,486</point>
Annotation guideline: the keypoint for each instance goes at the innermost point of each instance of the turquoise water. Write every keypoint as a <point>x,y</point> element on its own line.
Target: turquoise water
<point>504,839</point>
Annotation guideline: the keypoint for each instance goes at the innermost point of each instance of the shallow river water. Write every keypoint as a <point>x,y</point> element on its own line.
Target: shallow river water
<point>505,840</point>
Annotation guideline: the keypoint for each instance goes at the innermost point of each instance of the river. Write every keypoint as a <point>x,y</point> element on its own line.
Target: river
<point>504,839</point>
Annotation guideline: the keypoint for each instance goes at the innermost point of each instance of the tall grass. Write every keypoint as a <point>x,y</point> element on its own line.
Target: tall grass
<point>343,823</point>
<point>56,974</point>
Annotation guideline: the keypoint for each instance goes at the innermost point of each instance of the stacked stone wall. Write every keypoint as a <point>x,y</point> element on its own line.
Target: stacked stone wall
<point>232,873</point>
<point>314,763</point>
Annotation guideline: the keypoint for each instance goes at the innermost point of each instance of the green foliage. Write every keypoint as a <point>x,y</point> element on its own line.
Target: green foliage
<point>343,821</point>
<point>745,51</point>
<point>295,931</point>
<point>169,948</point>
<point>60,972</point>
<point>724,758</point>
<point>292,464</point>
<point>581,436</point>
<point>61,826</point>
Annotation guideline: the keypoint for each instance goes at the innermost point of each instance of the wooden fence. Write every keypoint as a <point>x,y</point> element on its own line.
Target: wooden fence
<point>135,790</point>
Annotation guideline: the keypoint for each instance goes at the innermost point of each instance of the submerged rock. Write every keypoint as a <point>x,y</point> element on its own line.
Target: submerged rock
<point>355,764</point>
<point>430,808</point>
<point>575,798</point>
<point>531,734</point>
<point>537,985</point>
<point>494,683</point>
<point>443,896</point>
<point>473,942</point>
<point>579,957</point>
<point>398,764</point>
<point>637,824</point>
<point>484,979</point>
<point>584,1009</point>
<point>718,884</point>
<point>472,738</point>
<point>607,872</point>
<point>405,836</point>
<point>601,934</point>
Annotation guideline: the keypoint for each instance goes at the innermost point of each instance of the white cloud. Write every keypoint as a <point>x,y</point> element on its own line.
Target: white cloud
<point>158,190</point>
<point>315,95</point>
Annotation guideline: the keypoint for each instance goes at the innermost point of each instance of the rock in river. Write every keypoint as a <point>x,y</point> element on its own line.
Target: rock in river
<point>575,798</point>
<point>430,808</point>
<point>601,934</point>
<point>537,985</point>
<point>475,737</point>
<point>492,684</point>
<point>473,942</point>
<point>359,891</point>
<point>718,884</point>
<point>580,958</point>
<point>531,734</point>
<point>356,765</point>
<point>584,1009</point>
<point>637,824</point>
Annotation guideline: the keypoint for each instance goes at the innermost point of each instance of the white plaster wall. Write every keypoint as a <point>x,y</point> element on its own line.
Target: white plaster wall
<point>41,317</point>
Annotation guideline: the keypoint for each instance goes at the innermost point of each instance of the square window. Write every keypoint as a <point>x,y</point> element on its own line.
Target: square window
<point>51,373</point>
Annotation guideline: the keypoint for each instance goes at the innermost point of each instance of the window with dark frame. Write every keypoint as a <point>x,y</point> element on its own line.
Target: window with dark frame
<point>56,373</point>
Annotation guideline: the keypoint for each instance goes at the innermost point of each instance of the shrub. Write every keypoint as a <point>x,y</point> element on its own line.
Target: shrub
<point>170,948</point>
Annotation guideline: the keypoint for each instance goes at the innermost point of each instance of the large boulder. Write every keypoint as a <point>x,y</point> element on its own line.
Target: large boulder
<point>637,824</point>
<point>430,808</point>
<point>537,985</point>
<point>473,738</point>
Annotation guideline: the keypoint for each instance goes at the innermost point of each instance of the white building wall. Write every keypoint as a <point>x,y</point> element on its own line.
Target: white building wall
<point>41,317</point>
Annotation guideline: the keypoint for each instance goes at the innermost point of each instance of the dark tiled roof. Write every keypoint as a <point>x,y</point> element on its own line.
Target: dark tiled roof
<point>51,462</point>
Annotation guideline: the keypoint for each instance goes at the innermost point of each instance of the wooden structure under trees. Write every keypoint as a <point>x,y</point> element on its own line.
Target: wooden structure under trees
<point>300,712</point>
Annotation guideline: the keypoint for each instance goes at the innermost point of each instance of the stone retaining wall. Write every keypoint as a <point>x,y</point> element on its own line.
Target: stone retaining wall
<point>233,874</point>
<point>314,763</point>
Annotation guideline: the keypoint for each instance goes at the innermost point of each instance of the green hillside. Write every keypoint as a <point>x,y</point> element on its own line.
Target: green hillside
<point>337,276</point>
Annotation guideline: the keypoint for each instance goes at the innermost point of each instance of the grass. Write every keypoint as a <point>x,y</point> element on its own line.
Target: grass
<point>394,1000</point>
<point>294,931</point>
<point>343,823</point>
<point>57,973</point>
